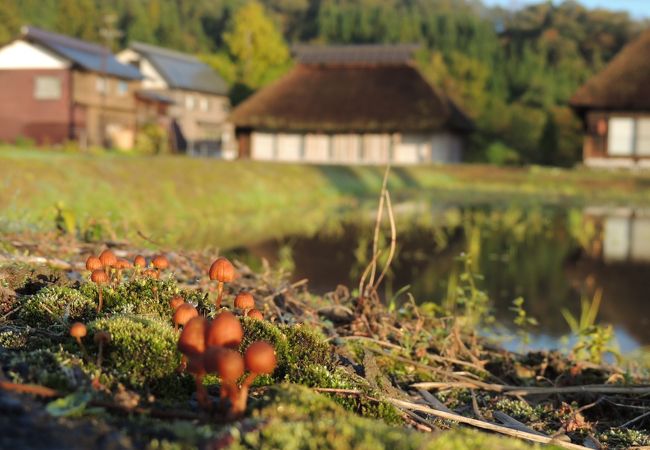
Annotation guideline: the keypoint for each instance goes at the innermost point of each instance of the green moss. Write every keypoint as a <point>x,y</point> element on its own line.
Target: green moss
<point>294,417</point>
<point>57,305</point>
<point>304,357</point>
<point>56,368</point>
<point>142,352</point>
<point>624,438</point>
<point>518,409</point>
<point>141,296</point>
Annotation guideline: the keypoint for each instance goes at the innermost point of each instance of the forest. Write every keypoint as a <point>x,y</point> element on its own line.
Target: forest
<point>513,72</point>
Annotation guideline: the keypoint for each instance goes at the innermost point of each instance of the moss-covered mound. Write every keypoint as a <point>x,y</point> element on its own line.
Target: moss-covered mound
<point>293,417</point>
<point>142,353</point>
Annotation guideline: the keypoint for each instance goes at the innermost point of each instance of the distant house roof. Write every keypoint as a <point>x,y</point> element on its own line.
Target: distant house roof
<point>182,71</point>
<point>88,56</point>
<point>358,96</point>
<point>624,84</point>
<point>154,96</point>
<point>347,54</point>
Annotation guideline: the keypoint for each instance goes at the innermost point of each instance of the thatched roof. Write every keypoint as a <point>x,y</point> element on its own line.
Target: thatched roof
<point>624,84</point>
<point>351,97</point>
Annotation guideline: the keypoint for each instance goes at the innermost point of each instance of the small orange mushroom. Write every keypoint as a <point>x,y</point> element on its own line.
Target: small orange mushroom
<point>245,301</point>
<point>108,258</point>
<point>229,365</point>
<point>93,263</point>
<point>140,262</point>
<point>222,271</point>
<point>183,314</point>
<point>78,330</point>
<point>99,277</point>
<point>224,331</point>
<point>160,262</point>
<point>151,273</point>
<point>101,338</point>
<point>176,301</point>
<point>191,343</point>
<point>259,359</point>
<point>255,314</point>
<point>120,265</point>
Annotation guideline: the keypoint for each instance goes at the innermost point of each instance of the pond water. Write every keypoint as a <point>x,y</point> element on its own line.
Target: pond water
<point>551,256</point>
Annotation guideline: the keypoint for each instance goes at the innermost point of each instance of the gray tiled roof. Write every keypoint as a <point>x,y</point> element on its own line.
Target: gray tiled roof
<point>354,54</point>
<point>89,56</point>
<point>182,71</point>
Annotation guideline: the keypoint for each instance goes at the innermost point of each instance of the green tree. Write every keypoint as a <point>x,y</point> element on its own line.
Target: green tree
<point>78,18</point>
<point>256,47</point>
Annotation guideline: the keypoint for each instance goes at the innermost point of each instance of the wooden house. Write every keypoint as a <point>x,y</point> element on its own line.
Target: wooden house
<point>614,106</point>
<point>200,96</point>
<point>54,88</point>
<point>360,104</point>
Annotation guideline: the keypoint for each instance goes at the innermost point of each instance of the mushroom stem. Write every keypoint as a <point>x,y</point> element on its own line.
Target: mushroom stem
<point>201,392</point>
<point>101,300</point>
<point>238,401</point>
<point>219,294</point>
<point>83,348</point>
<point>100,355</point>
<point>248,381</point>
<point>155,293</point>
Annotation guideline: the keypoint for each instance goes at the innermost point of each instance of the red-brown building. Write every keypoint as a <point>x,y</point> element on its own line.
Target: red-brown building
<point>54,88</point>
<point>614,106</point>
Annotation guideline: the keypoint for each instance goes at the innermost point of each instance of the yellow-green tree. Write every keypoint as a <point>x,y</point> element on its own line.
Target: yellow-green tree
<point>256,47</point>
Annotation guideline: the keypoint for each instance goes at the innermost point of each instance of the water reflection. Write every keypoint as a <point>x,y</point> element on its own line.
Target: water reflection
<point>550,256</point>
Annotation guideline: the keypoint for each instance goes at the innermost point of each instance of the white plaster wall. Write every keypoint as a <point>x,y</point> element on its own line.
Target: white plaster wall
<point>376,148</point>
<point>262,146</point>
<point>289,147</point>
<point>24,55</point>
<point>346,148</point>
<point>317,148</point>
<point>412,148</point>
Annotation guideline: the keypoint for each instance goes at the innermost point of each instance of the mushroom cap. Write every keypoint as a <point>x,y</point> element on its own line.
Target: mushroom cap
<point>244,300</point>
<point>122,264</point>
<point>226,362</point>
<point>99,276</point>
<point>222,270</point>
<point>260,358</point>
<point>78,330</point>
<point>192,338</point>
<point>160,262</point>
<point>176,301</point>
<point>102,336</point>
<point>195,364</point>
<point>151,274</point>
<point>224,331</point>
<point>255,314</point>
<point>93,263</point>
<point>139,261</point>
<point>184,314</point>
<point>108,258</point>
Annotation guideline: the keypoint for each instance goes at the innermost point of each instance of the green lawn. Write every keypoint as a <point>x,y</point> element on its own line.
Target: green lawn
<point>176,199</point>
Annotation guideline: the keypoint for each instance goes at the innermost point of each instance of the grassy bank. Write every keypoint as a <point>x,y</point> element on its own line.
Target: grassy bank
<point>197,201</point>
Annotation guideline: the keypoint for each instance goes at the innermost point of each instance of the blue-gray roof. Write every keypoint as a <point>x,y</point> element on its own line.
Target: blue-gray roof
<point>88,56</point>
<point>182,71</point>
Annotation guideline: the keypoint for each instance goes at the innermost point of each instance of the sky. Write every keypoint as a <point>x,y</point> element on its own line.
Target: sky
<point>639,9</point>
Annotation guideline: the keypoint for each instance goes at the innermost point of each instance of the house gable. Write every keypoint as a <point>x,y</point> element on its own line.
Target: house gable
<point>21,55</point>
<point>152,78</point>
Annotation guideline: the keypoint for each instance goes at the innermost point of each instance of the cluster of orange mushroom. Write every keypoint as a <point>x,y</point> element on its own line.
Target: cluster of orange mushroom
<point>211,347</point>
<point>206,346</point>
<point>108,267</point>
